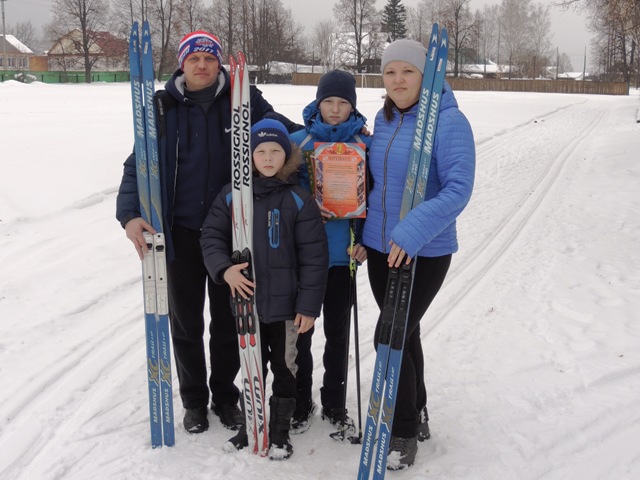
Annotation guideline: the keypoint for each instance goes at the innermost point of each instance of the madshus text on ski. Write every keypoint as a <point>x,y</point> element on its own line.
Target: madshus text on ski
<point>154,266</point>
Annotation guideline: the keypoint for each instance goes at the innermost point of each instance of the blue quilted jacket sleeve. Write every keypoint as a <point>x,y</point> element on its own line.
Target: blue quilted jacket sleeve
<point>448,190</point>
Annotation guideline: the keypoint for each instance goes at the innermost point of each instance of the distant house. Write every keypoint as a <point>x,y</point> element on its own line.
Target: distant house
<point>488,69</point>
<point>106,52</point>
<point>578,76</point>
<point>18,54</point>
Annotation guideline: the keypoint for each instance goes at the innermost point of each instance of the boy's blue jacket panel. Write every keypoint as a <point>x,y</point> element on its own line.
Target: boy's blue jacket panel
<point>337,230</point>
<point>187,135</point>
<point>429,229</point>
<point>290,248</point>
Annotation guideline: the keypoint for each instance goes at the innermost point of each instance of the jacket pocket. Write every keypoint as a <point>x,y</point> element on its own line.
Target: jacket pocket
<point>273,226</point>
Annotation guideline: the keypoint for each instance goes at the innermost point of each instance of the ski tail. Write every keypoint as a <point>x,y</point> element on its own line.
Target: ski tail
<point>369,450</point>
<point>395,345</point>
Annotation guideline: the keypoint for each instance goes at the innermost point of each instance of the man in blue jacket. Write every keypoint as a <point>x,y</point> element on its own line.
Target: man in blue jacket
<point>194,125</point>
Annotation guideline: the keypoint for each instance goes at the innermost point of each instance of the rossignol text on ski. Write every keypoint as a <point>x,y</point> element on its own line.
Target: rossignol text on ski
<point>247,326</point>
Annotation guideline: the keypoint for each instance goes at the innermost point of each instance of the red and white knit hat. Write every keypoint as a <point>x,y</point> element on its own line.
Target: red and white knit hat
<point>198,41</point>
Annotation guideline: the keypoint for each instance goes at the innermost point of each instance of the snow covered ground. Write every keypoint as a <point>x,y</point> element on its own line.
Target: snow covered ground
<point>532,347</point>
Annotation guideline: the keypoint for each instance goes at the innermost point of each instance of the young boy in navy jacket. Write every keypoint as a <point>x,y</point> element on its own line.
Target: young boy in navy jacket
<point>289,263</point>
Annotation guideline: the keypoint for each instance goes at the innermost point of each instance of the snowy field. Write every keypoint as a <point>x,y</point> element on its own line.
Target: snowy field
<point>532,347</point>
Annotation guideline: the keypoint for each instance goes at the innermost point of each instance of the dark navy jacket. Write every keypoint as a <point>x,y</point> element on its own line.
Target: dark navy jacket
<point>188,137</point>
<point>290,257</point>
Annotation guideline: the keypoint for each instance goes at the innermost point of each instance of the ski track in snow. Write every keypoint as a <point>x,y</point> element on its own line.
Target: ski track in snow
<point>524,150</point>
<point>503,392</point>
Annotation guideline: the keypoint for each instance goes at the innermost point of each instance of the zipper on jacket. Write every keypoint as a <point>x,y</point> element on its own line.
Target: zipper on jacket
<point>384,184</point>
<point>162,133</point>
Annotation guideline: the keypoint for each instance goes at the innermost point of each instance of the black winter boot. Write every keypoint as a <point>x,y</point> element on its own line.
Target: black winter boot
<point>402,452</point>
<point>195,420</point>
<point>280,447</point>
<point>237,442</point>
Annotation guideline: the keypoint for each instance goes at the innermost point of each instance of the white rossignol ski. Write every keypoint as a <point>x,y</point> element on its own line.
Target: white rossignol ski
<point>247,323</point>
<point>154,267</point>
<point>395,310</point>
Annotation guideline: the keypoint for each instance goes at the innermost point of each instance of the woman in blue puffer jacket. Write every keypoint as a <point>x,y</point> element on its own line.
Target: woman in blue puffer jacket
<point>427,234</point>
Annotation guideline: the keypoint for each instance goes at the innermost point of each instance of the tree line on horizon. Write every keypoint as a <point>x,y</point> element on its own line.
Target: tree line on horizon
<point>516,33</point>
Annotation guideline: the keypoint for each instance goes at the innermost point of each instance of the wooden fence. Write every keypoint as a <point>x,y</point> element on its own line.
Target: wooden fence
<point>487,84</point>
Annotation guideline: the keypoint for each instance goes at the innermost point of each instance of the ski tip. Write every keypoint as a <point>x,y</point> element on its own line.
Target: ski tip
<point>434,34</point>
<point>444,37</point>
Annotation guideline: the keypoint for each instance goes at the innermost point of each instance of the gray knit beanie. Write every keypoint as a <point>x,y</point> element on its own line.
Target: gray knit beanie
<point>405,50</point>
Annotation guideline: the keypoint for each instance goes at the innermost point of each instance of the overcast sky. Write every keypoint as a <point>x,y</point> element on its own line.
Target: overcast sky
<point>568,28</point>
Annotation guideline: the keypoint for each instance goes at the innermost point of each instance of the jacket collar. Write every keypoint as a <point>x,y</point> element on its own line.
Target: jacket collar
<point>175,85</point>
<point>328,133</point>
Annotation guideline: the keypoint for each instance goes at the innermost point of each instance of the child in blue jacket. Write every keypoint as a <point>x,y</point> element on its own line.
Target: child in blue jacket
<point>331,117</point>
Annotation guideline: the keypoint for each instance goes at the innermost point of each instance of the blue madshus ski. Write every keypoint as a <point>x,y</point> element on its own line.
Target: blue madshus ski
<point>400,280</point>
<point>148,269</point>
<point>154,262</point>
<point>421,122</point>
<point>247,326</point>
<point>432,119</point>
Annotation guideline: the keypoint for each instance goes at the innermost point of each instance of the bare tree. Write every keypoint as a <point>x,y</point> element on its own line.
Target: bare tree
<point>323,34</point>
<point>87,16</point>
<point>514,22</point>
<point>161,15</point>
<point>226,20</point>
<point>539,44</point>
<point>123,14</point>
<point>360,19</point>
<point>617,27</point>
<point>190,16</point>
<point>25,33</point>
<point>420,19</point>
<point>456,17</point>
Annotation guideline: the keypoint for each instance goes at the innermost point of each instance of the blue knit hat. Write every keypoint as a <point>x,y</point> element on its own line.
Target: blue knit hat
<point>198,41</point>
<point>337,83</point>
<point>269,130</point>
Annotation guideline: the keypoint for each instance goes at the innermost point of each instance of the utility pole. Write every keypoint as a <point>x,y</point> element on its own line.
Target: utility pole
<point>4,39</point>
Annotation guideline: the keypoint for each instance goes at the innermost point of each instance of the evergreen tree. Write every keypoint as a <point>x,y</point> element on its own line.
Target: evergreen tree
<point>394,18</point>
